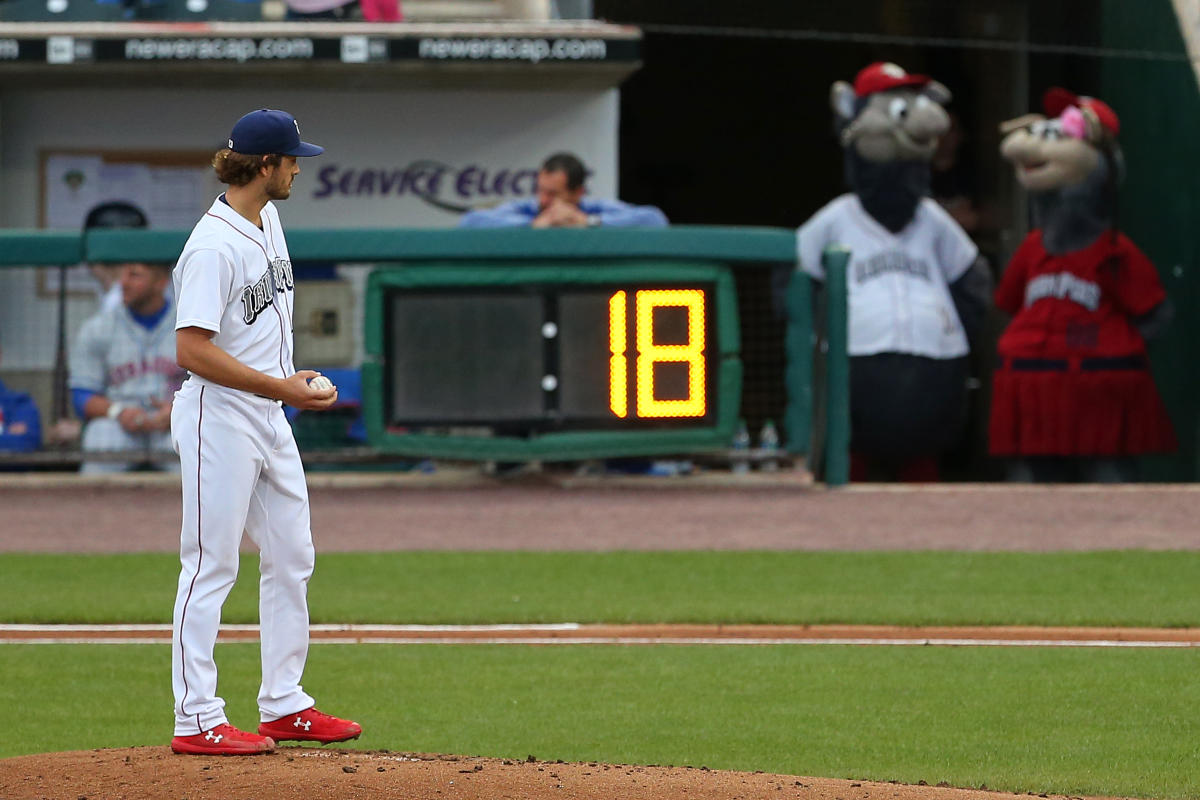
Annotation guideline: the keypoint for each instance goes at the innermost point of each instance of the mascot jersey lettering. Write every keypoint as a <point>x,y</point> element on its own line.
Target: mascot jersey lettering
<point>1077,303</point>
<point>236,280</point>
<point>898,283</point>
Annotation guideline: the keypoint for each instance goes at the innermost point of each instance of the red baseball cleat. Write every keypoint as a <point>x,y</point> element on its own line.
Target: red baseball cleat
<point>311,725</point>
<point>223,740</point>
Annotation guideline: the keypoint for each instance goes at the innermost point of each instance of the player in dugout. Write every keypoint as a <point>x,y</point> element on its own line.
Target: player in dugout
<point>124,375</point>
<point>562,202</point>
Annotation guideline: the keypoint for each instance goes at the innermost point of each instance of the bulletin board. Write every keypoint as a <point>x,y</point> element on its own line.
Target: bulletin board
<point>172,189</point>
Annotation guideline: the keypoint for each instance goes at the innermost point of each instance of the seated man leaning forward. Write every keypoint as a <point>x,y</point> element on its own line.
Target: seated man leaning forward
<point>560,203</point>
<point>124,375</point>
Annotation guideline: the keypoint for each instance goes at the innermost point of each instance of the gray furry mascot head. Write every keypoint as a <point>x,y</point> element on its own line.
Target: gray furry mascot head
<point>889,122</point>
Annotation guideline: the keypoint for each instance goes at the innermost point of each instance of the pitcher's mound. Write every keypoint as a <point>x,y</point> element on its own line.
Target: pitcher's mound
<point>154,773</point>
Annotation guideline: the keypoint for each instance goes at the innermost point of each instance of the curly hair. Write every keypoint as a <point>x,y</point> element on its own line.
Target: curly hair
<point>237,169</point>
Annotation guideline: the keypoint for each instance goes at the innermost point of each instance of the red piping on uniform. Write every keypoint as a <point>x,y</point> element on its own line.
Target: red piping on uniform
<point>271,241</point>
<point>282,371</point>
<point>199,561</point>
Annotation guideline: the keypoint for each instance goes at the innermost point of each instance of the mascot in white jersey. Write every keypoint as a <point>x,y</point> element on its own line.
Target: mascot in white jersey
<point>917,287</point>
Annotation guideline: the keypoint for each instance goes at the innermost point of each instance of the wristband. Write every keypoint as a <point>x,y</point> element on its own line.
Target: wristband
<point>114,410</point>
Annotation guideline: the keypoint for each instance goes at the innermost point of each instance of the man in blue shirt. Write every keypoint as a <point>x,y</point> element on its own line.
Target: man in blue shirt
<point>560,203</point>
<point>20,424</point>
<point>124,374</point>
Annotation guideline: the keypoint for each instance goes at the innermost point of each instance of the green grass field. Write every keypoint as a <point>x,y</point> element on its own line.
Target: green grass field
<point>1131,588</point>
<point>1064,720</point>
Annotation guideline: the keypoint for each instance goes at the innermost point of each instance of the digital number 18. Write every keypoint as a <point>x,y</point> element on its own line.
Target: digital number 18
<point>649,353</point>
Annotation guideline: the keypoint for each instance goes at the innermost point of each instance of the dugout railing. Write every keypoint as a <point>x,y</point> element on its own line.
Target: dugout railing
<point>789,355</point>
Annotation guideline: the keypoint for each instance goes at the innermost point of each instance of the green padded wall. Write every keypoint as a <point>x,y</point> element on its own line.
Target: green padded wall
<point>1159,105</point>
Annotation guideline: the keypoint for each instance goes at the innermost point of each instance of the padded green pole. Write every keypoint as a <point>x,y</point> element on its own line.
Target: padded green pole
<point>837,375</point>
<point>798,372</point>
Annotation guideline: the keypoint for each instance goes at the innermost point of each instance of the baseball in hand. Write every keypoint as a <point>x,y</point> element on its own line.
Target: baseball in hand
<point>321,382</point>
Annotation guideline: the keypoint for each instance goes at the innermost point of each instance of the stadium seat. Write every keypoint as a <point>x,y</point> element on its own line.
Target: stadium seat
<point>60,11</point>
<point>129,10</point>
<point>202,10</point>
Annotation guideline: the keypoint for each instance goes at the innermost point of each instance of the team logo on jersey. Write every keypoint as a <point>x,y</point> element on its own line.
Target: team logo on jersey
<point>285,279</point>
<point>131,370</point>
<point>1063,286</point>
<point>889,262</point>
<point>277,279</point>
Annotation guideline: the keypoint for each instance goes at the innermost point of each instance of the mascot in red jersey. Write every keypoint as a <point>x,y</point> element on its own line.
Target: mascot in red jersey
<point>1073,398</point>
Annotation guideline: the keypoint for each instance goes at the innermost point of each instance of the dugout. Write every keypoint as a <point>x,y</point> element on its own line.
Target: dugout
<point>560,345</point>
<point>721,117</point>
<point>754,144</point>
<point>421,120</point>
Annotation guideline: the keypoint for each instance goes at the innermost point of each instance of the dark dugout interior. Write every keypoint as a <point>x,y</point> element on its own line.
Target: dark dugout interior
<point>728,122</point>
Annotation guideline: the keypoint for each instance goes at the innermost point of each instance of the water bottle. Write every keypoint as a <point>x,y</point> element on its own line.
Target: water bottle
<point>768,443</point>
<point>741,450</point>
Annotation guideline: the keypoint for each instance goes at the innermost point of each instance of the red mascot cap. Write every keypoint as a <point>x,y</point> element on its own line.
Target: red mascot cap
<point>884,75</point>
<point>1056,99</point>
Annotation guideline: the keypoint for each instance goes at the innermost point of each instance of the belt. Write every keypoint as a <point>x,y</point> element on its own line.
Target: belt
<point>1084,364</point>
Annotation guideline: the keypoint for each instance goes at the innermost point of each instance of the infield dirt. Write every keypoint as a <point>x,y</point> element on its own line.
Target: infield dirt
<point>154,773</point>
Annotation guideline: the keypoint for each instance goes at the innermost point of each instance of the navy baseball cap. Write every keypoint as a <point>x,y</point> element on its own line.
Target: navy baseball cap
<point>115,214</point>
<point>268,131</point>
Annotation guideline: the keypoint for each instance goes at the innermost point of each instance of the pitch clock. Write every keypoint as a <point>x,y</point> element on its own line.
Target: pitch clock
<point>571,361</point>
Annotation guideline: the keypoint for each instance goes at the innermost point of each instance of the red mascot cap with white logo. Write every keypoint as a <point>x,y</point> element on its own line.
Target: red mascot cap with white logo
<point>884,75</point>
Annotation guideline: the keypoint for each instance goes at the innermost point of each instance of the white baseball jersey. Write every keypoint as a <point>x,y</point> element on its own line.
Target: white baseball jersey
<point>240,467</point>
<point>131,364</point>
<point>897,283</point>
<point>127,362</point>
<point>236,280</point>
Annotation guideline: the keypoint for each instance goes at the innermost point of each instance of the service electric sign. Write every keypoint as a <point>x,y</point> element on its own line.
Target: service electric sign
<point>445,186</point>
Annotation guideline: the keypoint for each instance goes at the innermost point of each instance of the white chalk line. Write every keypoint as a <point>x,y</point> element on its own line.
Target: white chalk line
<point>388,634</point>
<point>323,627</point>
<point>640,640</point>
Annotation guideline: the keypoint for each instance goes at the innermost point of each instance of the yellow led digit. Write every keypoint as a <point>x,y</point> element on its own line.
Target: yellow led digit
<point>650,353</point>
<point>618,365</point>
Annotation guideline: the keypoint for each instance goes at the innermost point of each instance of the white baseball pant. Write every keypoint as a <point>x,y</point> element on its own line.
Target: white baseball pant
<point>241,471</point>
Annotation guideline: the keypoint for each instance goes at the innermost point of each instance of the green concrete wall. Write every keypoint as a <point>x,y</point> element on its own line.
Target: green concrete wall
<point>1159,104</point>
